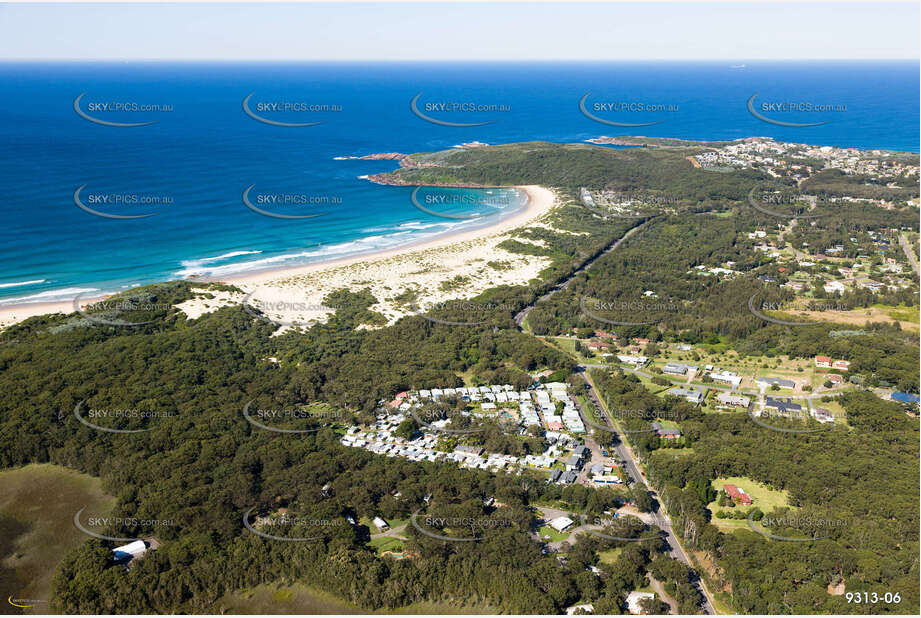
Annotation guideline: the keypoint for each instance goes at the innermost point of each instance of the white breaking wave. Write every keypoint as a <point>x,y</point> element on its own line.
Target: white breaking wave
<point>19,283</point>
<point>412,225</point>
<point>48,296</point>
<point>227,256</point>
<point>358,246</point>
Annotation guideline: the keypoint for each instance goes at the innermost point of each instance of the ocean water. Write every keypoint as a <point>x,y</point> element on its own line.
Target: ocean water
<point>201,151</point>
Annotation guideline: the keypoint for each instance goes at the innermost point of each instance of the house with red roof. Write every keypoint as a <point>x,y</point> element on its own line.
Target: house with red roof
<point>737,494</point>
<point>823,361</point>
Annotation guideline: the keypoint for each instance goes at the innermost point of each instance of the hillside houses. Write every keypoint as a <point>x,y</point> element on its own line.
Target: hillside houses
<point>827,363</point>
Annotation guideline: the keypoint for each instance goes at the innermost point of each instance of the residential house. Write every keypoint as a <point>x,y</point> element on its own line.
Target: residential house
<point>663,432</point>
<point>783,406</point>
<point>634,599</point>
<point>561,523</point>
<point>781,382</point>
<point>738,495</point>
<point>692,395</point>
<point>727,377</point>
<point>728,399</point>
<point>678,369</point>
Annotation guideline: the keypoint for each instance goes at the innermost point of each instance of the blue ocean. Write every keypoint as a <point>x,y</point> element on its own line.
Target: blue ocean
<point>122,174</point>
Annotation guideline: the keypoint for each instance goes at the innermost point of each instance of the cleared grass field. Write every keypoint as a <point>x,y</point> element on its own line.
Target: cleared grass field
<point>298,598</point>
<point>37,506</point>
<point>609,556</point>
<point>763,498</point>
<point>387,543</point>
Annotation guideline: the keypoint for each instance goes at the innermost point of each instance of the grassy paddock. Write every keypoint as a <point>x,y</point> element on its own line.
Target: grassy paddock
<point>37,506</point>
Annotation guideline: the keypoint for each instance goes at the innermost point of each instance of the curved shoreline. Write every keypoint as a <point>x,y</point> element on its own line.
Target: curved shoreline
<point>539,202</point>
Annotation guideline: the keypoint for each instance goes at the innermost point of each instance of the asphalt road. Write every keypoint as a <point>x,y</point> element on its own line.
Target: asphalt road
<point>909,253</point>
<point>660,516</point>
<point>631,467</point>
<point>521,315</point>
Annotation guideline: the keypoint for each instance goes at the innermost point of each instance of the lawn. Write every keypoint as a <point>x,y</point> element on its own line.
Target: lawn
<point>764,498</point>
<point>547,531</point>
<point>301,599</point>
<point>394,523</point>
<point>609,556</point>
<point>901,313</point>
<point>832,406</point>
<point>387,543</point>
<point>37,507</point>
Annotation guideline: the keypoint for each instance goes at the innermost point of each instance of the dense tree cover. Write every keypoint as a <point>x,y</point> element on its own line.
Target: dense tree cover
<point>865,475</point>
<point>852,220</point>
<point>835,183</point>
<point>665,174</point>
<point>202,466</point>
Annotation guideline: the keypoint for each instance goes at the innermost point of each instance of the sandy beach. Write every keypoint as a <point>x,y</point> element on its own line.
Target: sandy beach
<point>447,267</point>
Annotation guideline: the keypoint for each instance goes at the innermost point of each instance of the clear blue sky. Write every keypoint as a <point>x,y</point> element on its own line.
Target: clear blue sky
<point>417,31</point>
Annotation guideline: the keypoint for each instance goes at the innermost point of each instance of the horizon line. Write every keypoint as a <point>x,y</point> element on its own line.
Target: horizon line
<point>466,60</point>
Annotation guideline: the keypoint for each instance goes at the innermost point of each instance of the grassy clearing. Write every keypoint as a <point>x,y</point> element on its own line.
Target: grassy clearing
<point>553,535</point>
<point>37,507</point>
<point>609,556</point>
<point>763,498</point>
<point>298,598</point>
<point>387,543</point>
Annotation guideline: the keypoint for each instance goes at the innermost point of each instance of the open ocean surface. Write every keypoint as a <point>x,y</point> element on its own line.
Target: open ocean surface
<point>203,154</point>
